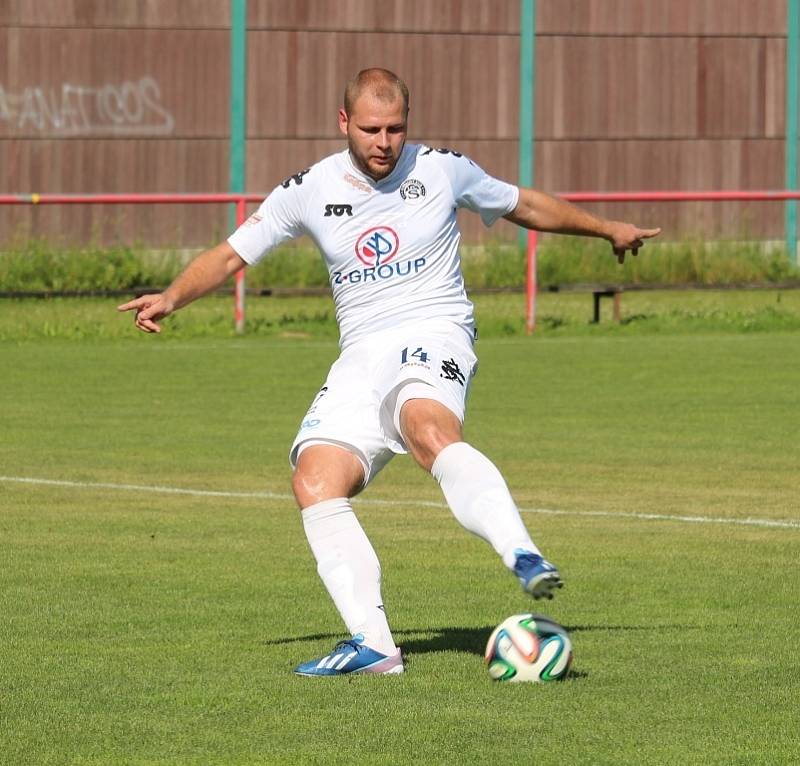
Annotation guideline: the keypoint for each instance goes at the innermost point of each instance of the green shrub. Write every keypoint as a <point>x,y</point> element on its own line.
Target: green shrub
<point>37,265</point>
<point>570,260</point>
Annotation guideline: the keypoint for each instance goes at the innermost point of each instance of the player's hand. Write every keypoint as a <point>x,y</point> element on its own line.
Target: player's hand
<point>626,236</point>
<point>149,310</point>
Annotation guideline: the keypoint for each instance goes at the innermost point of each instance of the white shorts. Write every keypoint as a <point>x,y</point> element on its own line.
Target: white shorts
<point>358,408</point>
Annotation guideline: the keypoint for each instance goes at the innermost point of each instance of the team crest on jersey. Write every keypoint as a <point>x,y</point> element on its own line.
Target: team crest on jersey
<point>377,245</point>
<point>412,191</point>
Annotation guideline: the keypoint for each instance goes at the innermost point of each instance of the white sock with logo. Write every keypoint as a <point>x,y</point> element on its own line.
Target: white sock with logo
<point>349,568</point>
<point>479,498</point>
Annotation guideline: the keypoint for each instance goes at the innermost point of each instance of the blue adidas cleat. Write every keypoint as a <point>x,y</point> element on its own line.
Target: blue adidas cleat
<point>352,656</point>
<point>538,576</point>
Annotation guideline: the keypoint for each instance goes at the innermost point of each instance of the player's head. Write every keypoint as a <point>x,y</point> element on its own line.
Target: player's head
<point>375,120</point>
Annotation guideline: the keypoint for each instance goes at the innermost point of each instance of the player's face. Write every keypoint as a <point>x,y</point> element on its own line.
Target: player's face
<point>376,132</point>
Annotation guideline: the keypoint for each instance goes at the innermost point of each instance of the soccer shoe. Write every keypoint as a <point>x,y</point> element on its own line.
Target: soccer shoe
<point>352,656</point>
<point>538,576</point>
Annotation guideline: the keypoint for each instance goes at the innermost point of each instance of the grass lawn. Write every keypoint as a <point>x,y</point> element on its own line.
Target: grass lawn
<point>498,315</point>
<point>656,463</point>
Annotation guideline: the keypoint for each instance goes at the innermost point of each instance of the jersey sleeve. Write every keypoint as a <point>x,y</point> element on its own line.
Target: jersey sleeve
<point>476,190</point>
<point>278,219</point>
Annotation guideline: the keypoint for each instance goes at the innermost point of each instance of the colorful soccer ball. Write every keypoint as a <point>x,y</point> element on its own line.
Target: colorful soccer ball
<point>528,647</point>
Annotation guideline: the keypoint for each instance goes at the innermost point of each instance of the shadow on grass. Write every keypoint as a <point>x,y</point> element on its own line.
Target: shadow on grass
<point>467,640</point>
<point>473,640</point>
<point>450,639</point>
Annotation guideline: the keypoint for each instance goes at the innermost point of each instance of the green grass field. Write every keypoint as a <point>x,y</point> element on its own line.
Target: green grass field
<point>655,462</point>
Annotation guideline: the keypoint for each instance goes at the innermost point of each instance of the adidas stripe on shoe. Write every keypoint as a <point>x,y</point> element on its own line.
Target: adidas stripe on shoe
<point>352,656</point>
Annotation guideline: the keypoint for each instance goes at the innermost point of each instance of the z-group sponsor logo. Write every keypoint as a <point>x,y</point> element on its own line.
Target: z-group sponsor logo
<point>377,245</point>
<point>379,273</point>
<point>375,248</point>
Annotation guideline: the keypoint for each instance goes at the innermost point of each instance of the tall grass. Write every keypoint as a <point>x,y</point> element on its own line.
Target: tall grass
<point>41,266</point>
<point>38,265</point>
<point>566,260</point>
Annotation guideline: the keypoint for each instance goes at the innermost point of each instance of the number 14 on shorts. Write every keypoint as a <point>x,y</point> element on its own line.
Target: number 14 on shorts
<point>419,354</point>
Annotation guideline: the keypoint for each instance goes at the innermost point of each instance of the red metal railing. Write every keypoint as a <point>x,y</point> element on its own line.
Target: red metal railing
<point>663,196</point>
<point>241,200</point>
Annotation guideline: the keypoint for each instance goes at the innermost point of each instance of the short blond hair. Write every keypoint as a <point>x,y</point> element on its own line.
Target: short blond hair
<point>380,83</point>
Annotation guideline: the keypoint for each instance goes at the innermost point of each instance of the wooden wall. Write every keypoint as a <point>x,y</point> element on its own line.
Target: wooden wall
<point>113,96</point>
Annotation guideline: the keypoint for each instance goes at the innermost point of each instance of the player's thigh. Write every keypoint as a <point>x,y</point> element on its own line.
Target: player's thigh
<point>434,362</point>
<point>344,414</point>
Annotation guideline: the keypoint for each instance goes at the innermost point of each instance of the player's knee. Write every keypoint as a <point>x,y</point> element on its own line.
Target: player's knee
<point>324,473</point>
<point>311,484</point>
<point>301,488</point>
<point>426,440</point>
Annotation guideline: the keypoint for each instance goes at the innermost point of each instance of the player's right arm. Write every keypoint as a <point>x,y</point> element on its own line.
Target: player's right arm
<point>279,218</point>
<point>205,273</point>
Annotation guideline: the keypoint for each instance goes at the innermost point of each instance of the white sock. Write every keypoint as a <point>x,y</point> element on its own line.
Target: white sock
<point>479,498</point>
<point>350,570</point>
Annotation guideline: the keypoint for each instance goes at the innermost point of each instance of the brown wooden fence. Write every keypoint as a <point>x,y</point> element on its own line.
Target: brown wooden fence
<point>631,94</point>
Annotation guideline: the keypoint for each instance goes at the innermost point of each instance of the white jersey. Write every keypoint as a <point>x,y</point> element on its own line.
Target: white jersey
<point>391,246</point>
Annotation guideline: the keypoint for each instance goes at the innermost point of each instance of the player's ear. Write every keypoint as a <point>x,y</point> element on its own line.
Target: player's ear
<point>343,120</point>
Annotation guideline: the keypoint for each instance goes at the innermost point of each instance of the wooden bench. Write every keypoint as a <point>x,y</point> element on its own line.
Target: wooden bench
<point>598,292</point>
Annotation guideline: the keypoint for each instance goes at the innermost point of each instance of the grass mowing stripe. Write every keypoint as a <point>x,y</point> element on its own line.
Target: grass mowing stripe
<point>776,523</point>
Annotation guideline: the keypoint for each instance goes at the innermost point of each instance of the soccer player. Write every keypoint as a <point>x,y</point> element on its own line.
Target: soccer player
<point>383,214</point>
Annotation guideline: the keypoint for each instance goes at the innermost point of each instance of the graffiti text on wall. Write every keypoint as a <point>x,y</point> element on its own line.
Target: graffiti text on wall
<point>130,108</point>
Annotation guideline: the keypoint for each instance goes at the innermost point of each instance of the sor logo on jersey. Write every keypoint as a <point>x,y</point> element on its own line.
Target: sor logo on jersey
<point>297,178</point>
<point>338,210</point>
<point>377,245</point>
<point>412,191</point>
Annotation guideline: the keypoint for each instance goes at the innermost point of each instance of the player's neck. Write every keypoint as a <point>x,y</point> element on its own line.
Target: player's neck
<point>361,167</point>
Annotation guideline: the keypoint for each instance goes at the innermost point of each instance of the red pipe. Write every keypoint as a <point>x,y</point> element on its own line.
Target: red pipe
<point>124,199</point>
<point>530,292</point>
<point>681,196</point>
<point>201,198</point>
<point>241,199</point>
<point>239,291</point>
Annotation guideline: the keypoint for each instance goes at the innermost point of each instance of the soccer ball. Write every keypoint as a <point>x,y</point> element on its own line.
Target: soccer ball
<point>528,647</point>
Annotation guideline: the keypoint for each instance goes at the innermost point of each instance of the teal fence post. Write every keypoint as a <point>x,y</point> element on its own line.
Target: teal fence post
<point>238,113</point>
<point>790,153</point>
<point>527,83</point>
<point>238,138</point>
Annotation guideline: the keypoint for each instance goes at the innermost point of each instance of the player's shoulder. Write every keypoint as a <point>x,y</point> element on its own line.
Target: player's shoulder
<point>307,178</point>
<point>449,164</point>
<point>441,154</point>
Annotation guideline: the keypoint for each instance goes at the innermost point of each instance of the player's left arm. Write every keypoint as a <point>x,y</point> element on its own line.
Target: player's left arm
<point>543,212</point>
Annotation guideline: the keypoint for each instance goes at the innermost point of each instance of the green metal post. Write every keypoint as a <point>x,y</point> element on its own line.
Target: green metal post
<point>790,154</point>
<point>238,136</point>
<point>527,82</point>
<point>238,114</point>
